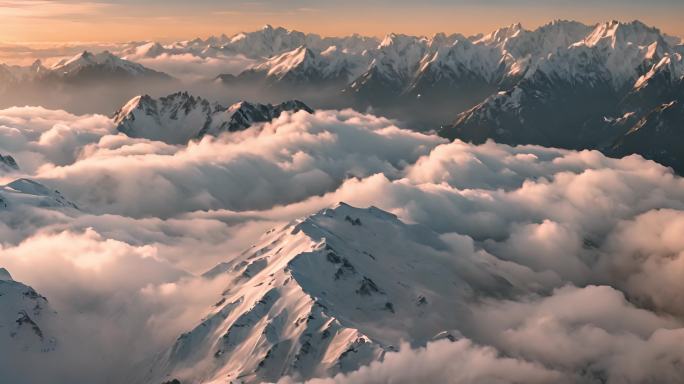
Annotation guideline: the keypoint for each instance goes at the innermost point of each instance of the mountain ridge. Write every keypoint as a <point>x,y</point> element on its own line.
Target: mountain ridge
<point>181,117</point>
<point>306,300</point>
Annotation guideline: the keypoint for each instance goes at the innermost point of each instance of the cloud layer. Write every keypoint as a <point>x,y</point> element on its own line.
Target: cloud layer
<point>588,245</point>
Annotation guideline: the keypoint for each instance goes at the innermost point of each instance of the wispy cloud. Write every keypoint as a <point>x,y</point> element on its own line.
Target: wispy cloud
<point>49,9</point>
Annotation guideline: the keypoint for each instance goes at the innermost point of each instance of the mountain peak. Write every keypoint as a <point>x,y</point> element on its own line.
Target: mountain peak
<point>337,277</point>
<point>106,63</point>
<point>399,40</point>
<point>30,192</point>
<point>616,33</point>
<point>279,66</point>
<point>502,35</point>
<point>181,117</point>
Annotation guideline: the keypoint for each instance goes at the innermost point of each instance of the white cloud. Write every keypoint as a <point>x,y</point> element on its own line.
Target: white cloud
<point>590,246</point>
<point>189,67</point>
<point>458,362</point>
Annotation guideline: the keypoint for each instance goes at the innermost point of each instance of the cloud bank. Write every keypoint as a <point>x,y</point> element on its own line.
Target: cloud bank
<point>589,245</point>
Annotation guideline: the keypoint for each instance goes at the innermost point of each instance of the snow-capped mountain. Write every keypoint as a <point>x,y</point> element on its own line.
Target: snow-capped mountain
<point>563,84</point>
<point>30,192</point>
<point>324,295</point>
<point>25,319</point>
<point>303,67</point>
<point>244,114</point>
<point>266,42</point>
<point>83,68</point>
<point>105,65</point>
<point>393,67</point>
<point>8,164</point>
<point>577,97</point>
<point>181,117</point>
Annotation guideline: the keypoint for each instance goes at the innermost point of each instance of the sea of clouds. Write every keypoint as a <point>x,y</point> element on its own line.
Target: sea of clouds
<point>592,246</point>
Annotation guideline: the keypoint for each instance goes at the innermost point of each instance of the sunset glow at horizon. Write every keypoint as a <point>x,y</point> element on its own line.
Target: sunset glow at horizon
<point>62,21</point>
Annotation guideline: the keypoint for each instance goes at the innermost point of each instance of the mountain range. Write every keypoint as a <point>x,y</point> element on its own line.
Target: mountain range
<point>85,68</point>
<point>613,86</point>
<point>603,92</point>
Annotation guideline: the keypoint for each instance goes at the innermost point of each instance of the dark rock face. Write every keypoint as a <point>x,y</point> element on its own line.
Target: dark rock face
<point>248,113</point>
<point>641,117</point>
<point>8,164</point>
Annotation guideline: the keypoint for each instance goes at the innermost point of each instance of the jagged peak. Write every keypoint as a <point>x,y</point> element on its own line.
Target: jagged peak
<point>240,105</point>
<point>564,22</point>
<point>400,40</point>
<point>502,34</point>
<point>285,62</point>
<point>342,208</point>
<point>616,33</point>
<point>134,103</point>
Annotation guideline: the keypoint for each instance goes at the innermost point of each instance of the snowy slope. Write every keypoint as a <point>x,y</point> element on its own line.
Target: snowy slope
<point>323,295</point>
<point>181,117</point>
<point>304,65</point>
<point>266,42</point>
<point>104,63</point>
<point>32,193</point>
<point>395,63</point>
<point>25,319</point>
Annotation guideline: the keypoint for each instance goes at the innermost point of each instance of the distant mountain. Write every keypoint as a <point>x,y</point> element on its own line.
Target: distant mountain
<point>587,95</point>
<point>564,84</point>
<point>181,117</point>
<point>18,74</point>
<point>86,68</point>
<point>302,67</point>
<point>427,81</point>
<point>267,42</point>
<point>324,295</point>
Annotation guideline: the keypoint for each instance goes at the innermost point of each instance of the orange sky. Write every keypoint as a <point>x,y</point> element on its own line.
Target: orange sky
<point>124,20</point>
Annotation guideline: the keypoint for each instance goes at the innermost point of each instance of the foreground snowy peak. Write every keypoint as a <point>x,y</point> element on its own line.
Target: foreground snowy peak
<point>181,117</point>
<point>25,321</point>
<point>323,295</point>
